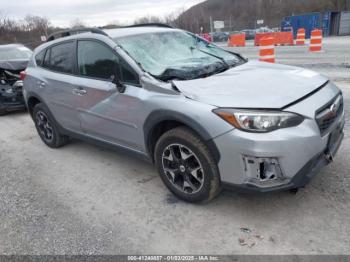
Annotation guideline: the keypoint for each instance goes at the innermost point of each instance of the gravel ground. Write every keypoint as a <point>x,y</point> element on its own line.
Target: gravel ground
<point>82,199</point>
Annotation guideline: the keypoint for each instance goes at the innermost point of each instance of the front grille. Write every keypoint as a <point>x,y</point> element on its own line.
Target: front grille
<point>329,113</point>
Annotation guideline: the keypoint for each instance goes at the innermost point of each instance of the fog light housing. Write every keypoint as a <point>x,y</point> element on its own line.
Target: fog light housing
<point>263,172</point>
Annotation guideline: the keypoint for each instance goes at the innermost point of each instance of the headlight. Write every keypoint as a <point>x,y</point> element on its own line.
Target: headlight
<point>259,121</point>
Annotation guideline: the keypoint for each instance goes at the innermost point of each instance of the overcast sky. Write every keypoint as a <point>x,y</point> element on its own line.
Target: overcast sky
<point>92,12</point>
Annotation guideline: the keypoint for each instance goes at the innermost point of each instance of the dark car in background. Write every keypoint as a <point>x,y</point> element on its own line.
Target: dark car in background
<point>249,33</point>
<point>220,36</point>
<point>13,59</point>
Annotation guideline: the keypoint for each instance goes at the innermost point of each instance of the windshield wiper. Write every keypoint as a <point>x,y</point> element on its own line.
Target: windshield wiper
<point>217,57</point>
<point>187,74</point>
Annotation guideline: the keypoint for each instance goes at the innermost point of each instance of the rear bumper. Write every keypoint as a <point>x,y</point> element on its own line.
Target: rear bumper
<point>11,101</point>
<point>18,105</point>
<point>10,107</point>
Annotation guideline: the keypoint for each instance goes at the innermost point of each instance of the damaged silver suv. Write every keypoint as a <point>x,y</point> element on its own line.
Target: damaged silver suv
<point>206,117</point>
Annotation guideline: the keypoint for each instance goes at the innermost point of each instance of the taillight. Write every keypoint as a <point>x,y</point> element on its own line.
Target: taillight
<point>22,75</point>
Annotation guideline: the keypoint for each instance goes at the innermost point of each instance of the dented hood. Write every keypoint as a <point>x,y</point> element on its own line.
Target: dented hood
<point>253,85</point>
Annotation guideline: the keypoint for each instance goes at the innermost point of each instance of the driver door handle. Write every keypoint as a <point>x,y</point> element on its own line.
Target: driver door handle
<point>79,91</point>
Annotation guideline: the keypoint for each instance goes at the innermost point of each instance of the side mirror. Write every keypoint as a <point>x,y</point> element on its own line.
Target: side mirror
<point>120,86</point>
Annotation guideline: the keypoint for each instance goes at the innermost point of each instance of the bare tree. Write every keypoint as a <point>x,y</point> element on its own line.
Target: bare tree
<point>238,14</point>
<point>112,24</point>
<point>27,31</point>
<point>37,23</point>
<point>77,23</point>
<point>148,19</point>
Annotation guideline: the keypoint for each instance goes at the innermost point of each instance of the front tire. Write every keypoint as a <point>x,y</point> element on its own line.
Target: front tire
<point>186,166</point>
<point>47,128</point>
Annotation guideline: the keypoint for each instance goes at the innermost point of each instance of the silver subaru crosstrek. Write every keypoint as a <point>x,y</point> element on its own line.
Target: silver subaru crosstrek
<point>206,117</point>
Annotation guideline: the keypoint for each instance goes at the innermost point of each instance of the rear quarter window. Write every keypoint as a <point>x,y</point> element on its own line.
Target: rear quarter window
<point>39,58</point>
<point>46,62</point>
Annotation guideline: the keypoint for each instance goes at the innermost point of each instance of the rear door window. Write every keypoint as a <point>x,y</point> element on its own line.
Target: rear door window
<point>61,58</point>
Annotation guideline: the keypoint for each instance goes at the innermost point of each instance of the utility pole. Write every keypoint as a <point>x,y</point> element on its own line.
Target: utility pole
<point>211,25</point>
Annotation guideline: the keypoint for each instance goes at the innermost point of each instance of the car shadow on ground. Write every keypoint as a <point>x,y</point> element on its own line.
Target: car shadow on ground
<point>145,173</point>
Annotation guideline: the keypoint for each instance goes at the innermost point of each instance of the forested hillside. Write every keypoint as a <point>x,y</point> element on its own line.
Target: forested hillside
<point>241,14</point>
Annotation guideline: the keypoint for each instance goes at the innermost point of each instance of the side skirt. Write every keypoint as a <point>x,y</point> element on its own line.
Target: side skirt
<point>106,144</point>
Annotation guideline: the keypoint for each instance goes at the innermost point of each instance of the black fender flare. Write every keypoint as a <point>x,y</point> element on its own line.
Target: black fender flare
<point>159,116</point>
<point>38,97</point>
<point>30,95</point>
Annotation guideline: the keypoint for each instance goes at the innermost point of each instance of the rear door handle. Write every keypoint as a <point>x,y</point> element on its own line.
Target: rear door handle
<point>79,91</point>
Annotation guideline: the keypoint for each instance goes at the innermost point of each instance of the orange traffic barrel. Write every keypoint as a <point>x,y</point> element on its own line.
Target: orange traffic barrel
<point>283,38</point>
<point>316,41</point>
<point>300,37</point>
<point>267,50</point>
<point>236,40</point>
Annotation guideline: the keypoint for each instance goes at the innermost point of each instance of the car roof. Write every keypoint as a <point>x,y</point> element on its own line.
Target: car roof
<point>112,34</point>
<point>129,31</point>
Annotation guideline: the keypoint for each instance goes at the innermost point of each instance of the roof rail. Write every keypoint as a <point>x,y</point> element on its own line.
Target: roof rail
<point>151,25</point>
<point>69,32</point>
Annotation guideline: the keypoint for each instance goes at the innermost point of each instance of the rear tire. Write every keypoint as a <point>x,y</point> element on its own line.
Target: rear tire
<point>47,127</point>
<point>186,166</point>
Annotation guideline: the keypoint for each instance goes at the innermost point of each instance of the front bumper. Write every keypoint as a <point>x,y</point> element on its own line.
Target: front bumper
<point>300,151</point>
<point>305,174</point>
